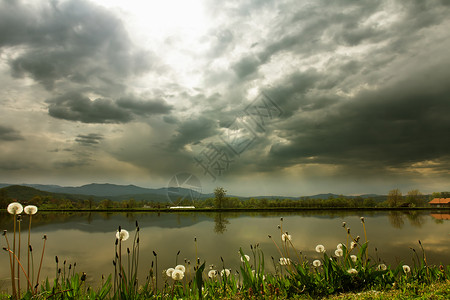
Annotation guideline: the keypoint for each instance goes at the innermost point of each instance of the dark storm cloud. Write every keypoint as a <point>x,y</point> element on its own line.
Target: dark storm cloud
<point>89,139</point>
<point>192,131</point>
<point>246,66</point>
<point>9,134</point>
<point>144,107</point>
<point>403,124</point>
<point>324,26</point>
<point>77,107</point>
<point>74,41</point>
<point>394,125</point>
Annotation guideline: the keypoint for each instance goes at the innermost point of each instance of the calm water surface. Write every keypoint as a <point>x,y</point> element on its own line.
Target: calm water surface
<point>88,238</point>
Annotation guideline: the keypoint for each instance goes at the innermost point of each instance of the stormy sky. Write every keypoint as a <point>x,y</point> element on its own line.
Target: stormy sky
<point>261,97</point>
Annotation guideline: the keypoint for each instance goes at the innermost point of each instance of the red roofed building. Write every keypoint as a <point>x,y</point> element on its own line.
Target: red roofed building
<point>440,202</point>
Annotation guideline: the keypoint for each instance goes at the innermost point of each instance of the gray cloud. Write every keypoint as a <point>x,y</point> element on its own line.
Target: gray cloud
<point>89,139</point>
<point>394,127</point>
<point>144,107</point>
<point>73,41</point>
<point>192,131</point>
<point>77,107</point>
<point>9,134</point>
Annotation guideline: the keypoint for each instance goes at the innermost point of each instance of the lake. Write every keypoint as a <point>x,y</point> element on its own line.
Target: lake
<point>88,238</point>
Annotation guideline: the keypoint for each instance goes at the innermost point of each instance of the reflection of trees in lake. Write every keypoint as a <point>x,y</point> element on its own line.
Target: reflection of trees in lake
<point>220,223</point>
<point>89,218</point>
<point>396,219</point>
<point>416,218</point>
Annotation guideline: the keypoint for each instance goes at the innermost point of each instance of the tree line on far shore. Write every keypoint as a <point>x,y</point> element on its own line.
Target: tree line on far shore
<point>395,198</point>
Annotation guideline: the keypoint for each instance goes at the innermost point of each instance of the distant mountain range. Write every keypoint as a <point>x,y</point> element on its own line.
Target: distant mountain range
<point>116,192</point>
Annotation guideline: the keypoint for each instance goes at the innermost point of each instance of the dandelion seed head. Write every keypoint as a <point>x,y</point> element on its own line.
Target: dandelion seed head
<point>338,252</point>
<point>286,237</point>
<point>212,274</point>
<point>177,275</point>
<point>354,258</point>
<point>30,209</point>
<point>181,268</point>
<point>339,246</point>
<point>320,249</point>
<point>169,272</point>
<point>353,245</point>
<point>285,261</point>
<point>317,263</point>
<point>122,235</point>
<point>352,271</point>
<point>225,272</point>
<point>344,224</point>
<point>15,208</point>
<point>382,267</point>
<point>362,219</point>
<point>246,258</point>
<point>406,268</point>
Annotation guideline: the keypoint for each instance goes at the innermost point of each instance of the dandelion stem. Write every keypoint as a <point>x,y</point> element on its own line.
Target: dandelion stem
<point>13,261</point>
<point>40,264</point>
<point>32,265</point>
<point>156,270</point>
<point>19,220</point>
<point>28,252</point>
<point>196,252</point>
<point>296,253</point>
<point>12,270</point>
<point>278,248</point>
<point>19,264</point>
<point>365,238</point>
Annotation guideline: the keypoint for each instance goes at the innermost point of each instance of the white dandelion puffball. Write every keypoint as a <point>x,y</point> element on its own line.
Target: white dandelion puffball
<point>285,261</point>
<point>225,272</point>
<point>30,209</point>
<point>354,258</point>
<point>15,208</point>
<point>339,246</point>
<point>406,269</point>
<point>246,258</point>
<point>317,263</point>
<point>181,268</point>
<point>169,272</point>
<point>212,274</point>
<point>123,235</point>
<point>382,267</point>
<point>352,271</point>
<point>286,237</point>
<point>320,249</point>
<point>177,275</point>
<point>338,252</point>
<point>353,245</point>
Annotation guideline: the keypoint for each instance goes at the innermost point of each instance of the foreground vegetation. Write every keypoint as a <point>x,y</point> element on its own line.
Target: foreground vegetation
<point>346,271</point>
